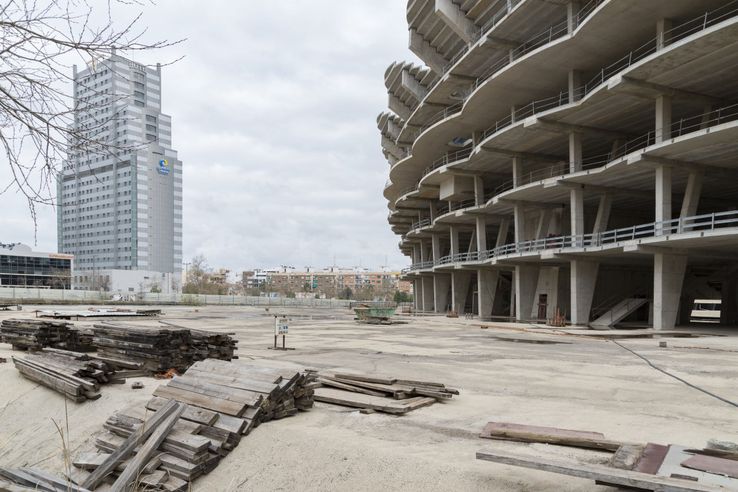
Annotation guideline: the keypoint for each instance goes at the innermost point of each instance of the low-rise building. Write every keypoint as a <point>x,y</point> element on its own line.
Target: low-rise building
<point>20,266</point>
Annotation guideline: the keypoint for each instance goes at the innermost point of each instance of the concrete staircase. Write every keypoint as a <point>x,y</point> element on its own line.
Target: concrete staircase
<point>618,312</point>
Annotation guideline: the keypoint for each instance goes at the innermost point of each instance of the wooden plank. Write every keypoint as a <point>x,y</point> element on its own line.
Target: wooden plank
<point>549,435</point>
<point>651,459</point>
<point>240,382</point>
<point>602,473</point>
<point>364,378</point>
<point>211,403</point>
<point>191,413</point>
<point>358,400</point>
<point>127,480</point>
<point>128,446</point>
<point>249,398</point>
<point>712,464</point>
<point>328,381</point>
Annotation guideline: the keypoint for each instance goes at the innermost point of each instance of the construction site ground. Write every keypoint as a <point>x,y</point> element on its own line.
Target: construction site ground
<point>506,372</point>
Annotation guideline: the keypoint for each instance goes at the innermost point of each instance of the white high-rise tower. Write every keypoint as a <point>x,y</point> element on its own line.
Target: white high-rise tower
<point>120,192</point>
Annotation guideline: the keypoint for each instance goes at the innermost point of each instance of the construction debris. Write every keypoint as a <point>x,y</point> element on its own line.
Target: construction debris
<point>162,349</point>
<point>644,466</point>
<point>76,375</point>
<point>35,334</point>
<point>388,395</point>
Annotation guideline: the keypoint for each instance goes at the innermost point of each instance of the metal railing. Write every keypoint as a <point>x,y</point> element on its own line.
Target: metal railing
<point>448,158</point>
<point>696,223</point>
<point>420,223</point>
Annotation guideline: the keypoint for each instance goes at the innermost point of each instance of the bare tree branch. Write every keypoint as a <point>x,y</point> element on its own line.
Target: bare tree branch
<point>38,133</point>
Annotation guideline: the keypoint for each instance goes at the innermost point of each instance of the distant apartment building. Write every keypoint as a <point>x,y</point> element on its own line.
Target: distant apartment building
<point>120,191</point>
<point>333,281</point>
<point>20,266</point>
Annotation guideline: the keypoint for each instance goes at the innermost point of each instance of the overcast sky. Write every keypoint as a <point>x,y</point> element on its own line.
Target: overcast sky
<point>273,115</point>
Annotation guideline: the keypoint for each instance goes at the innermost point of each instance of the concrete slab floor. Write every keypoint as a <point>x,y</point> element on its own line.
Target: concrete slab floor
<point>584,384</point>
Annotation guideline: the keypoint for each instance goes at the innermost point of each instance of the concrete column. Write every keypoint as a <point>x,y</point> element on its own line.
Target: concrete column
<point>519,217</point>
<point>575,81</point>
<point>456,19</point>
<point>453,233</point>
<point>478,190</point>
<point>603,214</point>
<point>433,211</point>
<point>576,198</point>
<point>502,233</point>
<point>472,241</point>
<point>544,221</point>
<point>416,254</point>
<point>428,300</point>
<point>729,301</point>
<point>668,276</point>
<point>583,282</point>
<point>486,291</point>
<point>423,254</point>
<point>575,152</point>
<point>663,36</point>
<point>436,247</point>
<point>414,87</point>
<point>572,9</point>
<point>417,294</point>
<point>526,279</point>
<point>426,52</point>
<point>663,119</point>
<point>441,286</point>
<point>517,170</point>
<point>481,234</point>
<point>663,197</point>
<point>692,194</point>
<point>460,281</point>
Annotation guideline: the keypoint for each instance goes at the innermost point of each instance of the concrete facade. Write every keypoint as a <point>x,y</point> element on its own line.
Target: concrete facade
<point>120,192</point>
<point>567,159</point>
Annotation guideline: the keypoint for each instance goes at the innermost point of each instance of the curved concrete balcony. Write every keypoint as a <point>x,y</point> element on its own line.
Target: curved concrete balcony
<point>607,87</point>
<point>706,230</point>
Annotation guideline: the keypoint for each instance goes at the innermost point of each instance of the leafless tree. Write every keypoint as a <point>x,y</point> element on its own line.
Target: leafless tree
<point>39,41</point>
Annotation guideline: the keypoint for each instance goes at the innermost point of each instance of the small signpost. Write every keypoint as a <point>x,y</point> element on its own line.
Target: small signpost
<point>281,327</point>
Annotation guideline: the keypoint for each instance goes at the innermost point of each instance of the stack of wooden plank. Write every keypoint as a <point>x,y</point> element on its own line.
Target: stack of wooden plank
<point>158,349</point>
<point>644,466</point>
<point>381,394</point>
<point>34,334</point>
<point>213,345</point>
<point>249,392</point>
<point>77,376</point>
<point>161,349</point>
<point>217,403</point>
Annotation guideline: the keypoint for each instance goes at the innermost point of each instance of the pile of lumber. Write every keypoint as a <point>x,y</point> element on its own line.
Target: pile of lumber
<point>249,392</point>
<point>381,394</point>
<point>215,404</point>
<point>35,334</point>
<point>161,349</point>
<point>77,376</point>
<point>647,466</point>
<point>213,345</point>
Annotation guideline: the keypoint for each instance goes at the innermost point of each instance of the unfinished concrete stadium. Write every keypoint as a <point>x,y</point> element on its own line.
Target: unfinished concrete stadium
<point>567,159</point>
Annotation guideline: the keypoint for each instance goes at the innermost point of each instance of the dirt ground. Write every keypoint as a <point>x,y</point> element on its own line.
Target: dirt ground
<point>514,373</point>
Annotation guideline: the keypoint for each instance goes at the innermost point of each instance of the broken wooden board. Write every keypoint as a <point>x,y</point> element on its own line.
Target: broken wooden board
<point>549,435</point>
<point>711,464</point>
<point>625,478</point>
<point>380,404</point>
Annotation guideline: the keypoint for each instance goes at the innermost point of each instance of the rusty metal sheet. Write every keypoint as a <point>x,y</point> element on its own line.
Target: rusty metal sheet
<point>712,464</point>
